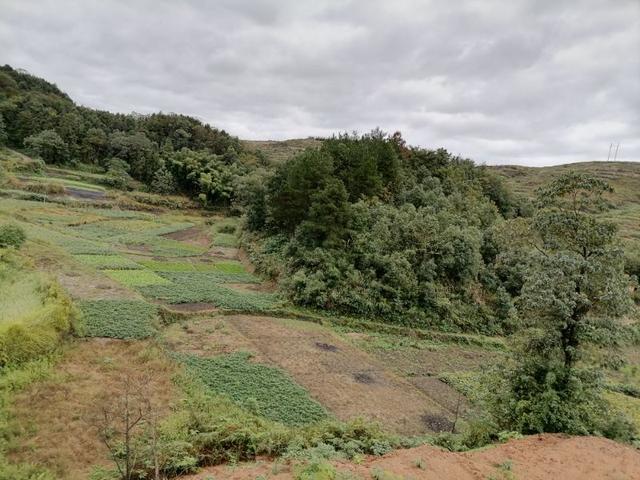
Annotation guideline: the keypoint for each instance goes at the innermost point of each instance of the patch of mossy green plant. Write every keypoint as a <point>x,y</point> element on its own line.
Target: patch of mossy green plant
<point>264,390</point>
<point>215,294</point>
<point>124,319</point>
<point>111,262</point>
<point>166,247</point>
<point>190,287</point>
<point>137,278</point>
<point>224,267</point>
<point>195,279</point>
<point>225,240</point>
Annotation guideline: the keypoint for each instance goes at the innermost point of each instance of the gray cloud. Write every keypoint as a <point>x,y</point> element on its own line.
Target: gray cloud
<point>530,82</point>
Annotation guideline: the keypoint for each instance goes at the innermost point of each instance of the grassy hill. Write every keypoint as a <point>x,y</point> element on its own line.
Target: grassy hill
<point>624,177</point>
<point>278,151</point>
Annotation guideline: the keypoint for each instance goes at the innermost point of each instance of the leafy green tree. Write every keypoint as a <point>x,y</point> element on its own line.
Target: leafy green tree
<point>574,289</point>
<point>292,186</point>
<point>95,146</point>
<point>48,145</point>
<point>327,223</point>
<point>3,131</point>
<point>163,181</point>
<point>139,153</point>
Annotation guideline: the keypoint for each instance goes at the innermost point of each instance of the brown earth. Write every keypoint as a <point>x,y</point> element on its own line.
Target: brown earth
<point>195,307</point>
<point>539,457</point>
<point>54,416</point>
<point>207,336</point>
<point>348,381</point>
<point>193,235</point>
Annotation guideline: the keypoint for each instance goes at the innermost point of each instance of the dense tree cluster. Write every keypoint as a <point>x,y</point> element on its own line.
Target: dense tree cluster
<point>369,226</point>
<point>168,152</point>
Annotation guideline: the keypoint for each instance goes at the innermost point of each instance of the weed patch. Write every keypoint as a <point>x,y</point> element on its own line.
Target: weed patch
<point>225,240</point>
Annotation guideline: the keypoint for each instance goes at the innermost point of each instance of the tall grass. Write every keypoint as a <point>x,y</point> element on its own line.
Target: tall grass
<point>34,314</point>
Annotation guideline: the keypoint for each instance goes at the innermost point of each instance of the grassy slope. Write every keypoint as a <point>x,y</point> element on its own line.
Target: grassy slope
<point>624,177</point>
<point>279,151</point>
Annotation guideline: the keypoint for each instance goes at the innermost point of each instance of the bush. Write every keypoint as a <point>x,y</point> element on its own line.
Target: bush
<point>11,236</point>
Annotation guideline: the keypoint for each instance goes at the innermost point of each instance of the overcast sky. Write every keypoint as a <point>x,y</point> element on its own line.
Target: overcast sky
<point>531,82</point>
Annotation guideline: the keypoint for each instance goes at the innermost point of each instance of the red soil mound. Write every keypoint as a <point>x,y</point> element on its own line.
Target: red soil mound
<point>538,457</point>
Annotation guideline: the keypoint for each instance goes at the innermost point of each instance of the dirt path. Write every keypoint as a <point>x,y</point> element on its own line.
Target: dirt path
<point>539,457</point>
<point>348,381</point>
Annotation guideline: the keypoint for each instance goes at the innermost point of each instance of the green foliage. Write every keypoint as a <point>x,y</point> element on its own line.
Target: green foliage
<point>11,236</point>
<point>48,145</point>
<point>35,315</point>
<point>572,291</point>
<point>187,287</point>
<point>225,240</point>
<point>315,470</point>
<point>3,131</point>
<point>163,181</point>
<point>111,262</point>
<point>136,278</point>
<point>224,267</point>
<point>126,319</point>
<point>263,390</point>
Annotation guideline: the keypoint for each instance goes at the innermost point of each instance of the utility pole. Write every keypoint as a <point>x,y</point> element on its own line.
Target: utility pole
<point>615,155</point>
<point>610,147</point>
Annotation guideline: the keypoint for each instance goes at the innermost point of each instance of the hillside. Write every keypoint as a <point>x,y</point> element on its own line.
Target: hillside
<point>624,177</point>
<point>271,302</point>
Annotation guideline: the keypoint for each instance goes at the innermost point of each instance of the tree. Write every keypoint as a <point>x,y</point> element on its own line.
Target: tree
<point>48,145</point>
<point>3,131</point>
<point>163,181</point>
<point>575,288</point>
<point>329,216</point>
<point>95,146</point>
<point>139,153</point>
<point>291,188</point>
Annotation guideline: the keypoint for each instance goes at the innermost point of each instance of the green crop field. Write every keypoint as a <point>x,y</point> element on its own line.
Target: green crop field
<point>261,389</point>
<point>111,262</point>
<point>136,278</point>
<point>126,319</point>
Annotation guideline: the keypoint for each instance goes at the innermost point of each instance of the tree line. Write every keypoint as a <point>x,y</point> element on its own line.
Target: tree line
<point>169,153</point>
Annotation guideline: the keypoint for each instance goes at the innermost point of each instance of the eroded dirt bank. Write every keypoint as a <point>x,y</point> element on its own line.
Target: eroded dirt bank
<point>538,457</point>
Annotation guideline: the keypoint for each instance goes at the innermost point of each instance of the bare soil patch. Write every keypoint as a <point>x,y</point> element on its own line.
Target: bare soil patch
<point>207,337</point>
<point>193,235</point>
<point>228,253</point>
<point>346,380</point>
<point>86,286</point>
<point>53,414</point>
<point>539,457</point>
<point>192,307</point>
<point>84,194</point>
<point>252,287</point>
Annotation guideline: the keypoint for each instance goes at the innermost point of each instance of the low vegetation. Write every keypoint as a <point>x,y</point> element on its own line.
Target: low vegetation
<point>265,391</point>
<point>126,319</point>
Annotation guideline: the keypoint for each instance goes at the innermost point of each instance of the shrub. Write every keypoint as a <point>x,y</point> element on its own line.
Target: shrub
<point>34,315</point>
<point>11,236</point>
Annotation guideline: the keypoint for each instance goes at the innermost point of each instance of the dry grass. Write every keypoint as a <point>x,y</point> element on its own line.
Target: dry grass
<point>346,380</point>
<point>53,415</point>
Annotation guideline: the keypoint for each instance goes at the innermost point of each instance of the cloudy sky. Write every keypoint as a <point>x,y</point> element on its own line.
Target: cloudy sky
<point>531,82</point>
